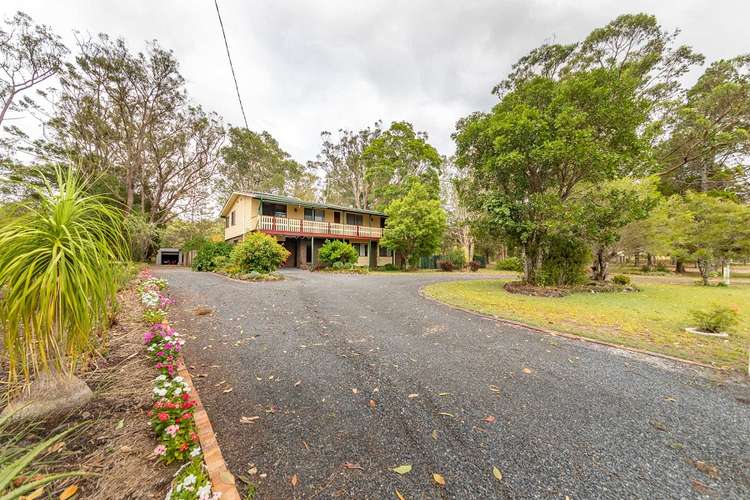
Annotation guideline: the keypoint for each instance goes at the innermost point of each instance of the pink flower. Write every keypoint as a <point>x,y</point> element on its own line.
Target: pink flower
<point>172,430</point>
<point>160,450</point>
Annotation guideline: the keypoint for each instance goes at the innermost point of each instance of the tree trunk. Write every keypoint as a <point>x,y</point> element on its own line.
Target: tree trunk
<point>637,259</point>
<point>703,268</point>
<point>649,262</point>
<point>601,264</point>
<point>679,266</point>
<point>532,258</point>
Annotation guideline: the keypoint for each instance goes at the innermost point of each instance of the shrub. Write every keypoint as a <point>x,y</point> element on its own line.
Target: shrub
<point>259,252</point>
<point>457,258</point>
<point>445,265</point>
<point>204,260</point>
<point>509,264</point>
<point>564,263</point>
<point>620,279</point>
<point>58,275</point>
<point>716,319</point>
<point>337,252</point>
<point>388,267</point>
<point>220,261</point>
<point>474,266</point>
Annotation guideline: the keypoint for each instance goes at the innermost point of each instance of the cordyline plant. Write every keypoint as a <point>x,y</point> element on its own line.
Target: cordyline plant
<point>58,270</point>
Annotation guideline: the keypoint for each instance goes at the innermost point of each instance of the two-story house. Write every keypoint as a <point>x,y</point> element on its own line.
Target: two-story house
<point>303,226</point>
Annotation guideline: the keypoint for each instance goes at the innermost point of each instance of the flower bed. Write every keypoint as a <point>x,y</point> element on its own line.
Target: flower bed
<point>172,411</point>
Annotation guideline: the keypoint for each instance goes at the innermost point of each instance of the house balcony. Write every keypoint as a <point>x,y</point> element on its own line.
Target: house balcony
<point>318,229</point>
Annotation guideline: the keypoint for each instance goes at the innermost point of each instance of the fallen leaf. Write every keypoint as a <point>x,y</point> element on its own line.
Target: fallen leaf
<point>444,394</point>
<point>263,476</point>
<point>227,390</point>
<point>494,388</point>
<point>217,385</point>
<point>435,435</point>
<point>248,420</point>
<point>120,424</point>
<point>297,383</point>
<point>439,479</point>
<point>670,398</point>
<point>447,414</point>
<point>412,396</point>
<point>490,419</point>
<point>57,447</point>
<point>709,469</point>
<point>402,469</point>
<point>69,492</point>
<point>34,494</point>
<point>355,390</point>
<point>295,481</point>
<point>526,370</point>
<point>373,404</point>
<point>349,465</point>
<point>399,495</point>
<point>700,487</point>
<point>252,471</point>
<point>126,449</point>
<point>658,425</point>
<point>307,446</point>
<point>496,472</point>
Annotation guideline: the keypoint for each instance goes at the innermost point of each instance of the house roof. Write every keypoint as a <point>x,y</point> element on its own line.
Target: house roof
<point>275,198</point>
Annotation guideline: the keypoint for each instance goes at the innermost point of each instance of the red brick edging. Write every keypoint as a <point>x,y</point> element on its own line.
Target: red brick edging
<point>221,479</point>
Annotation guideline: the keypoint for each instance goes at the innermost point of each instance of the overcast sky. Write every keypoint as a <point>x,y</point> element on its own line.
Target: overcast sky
<point>308,66</point>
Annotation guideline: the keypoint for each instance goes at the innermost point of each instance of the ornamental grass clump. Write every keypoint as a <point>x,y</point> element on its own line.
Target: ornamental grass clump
<point>59,276</point>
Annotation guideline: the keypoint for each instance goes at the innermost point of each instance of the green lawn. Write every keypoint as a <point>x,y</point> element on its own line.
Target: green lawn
<point>653,319</point>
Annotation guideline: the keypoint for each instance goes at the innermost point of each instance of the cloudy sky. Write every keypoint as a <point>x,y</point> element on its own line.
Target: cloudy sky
<point>307,66</point>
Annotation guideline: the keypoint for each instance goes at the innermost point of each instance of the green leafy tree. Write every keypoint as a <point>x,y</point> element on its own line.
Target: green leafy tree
<point>255,162</point>
<point>396,159</point>
<point>58,270</point>
<point>717,231</point>
<point>607,208</point>
<point>258,252</point>
<point>337,251</point>
<point>344,167</point>
<point>709,143</point>
<point>415,225</point>
<point>568,115</point>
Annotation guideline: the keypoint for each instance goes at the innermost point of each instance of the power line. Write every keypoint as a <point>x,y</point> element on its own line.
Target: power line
<point>231,66</point>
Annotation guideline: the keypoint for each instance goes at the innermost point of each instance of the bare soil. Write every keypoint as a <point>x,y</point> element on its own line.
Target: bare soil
<point>522,288</point>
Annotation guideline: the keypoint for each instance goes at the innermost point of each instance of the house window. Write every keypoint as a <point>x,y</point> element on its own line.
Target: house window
<point>232,216</point>
<point>354,219</point>
<point>274,210</point>
<point>362,249</point>
<point>315,214</point>
<point>384,252</point>
<point>226,221</point>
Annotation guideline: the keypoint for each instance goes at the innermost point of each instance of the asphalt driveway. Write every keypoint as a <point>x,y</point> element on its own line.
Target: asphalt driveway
<point>331,370</point>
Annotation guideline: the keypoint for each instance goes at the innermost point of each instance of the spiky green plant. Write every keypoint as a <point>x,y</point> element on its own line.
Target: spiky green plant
<point>58,276</point>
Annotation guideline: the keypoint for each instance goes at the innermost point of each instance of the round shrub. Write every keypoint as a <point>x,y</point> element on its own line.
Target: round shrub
<point>509,264</point>
<point>716,319</point>
<point>445,265</point>
<point>457,258</point>
<point>474,266</point>
<point>259,252</point>
<point>620,279</point>
<point>205,259</point>
<point>337,251</point>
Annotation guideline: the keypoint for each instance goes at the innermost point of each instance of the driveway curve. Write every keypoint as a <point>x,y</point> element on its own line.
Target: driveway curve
<point>344,377</point>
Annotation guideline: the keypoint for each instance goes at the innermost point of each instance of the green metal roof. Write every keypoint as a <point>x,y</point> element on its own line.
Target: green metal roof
<point>275,198</point>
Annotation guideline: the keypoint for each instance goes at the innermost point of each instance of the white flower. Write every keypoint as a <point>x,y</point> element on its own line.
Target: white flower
<point>177,391</point>
<point>195,452</point>
<point>177,379</point>
<point>204,492</point>
<point>161,377</point>
<point>189,480</point>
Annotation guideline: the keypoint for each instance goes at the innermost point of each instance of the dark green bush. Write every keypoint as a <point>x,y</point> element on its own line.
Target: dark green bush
<point>337,251</point>
<point>388,267</point>
<point>204,260</point>
<point>258,252</point>
<point>716,319</point>
<point>564,263</point>
<point>620,279</point>
<point>509,264</point>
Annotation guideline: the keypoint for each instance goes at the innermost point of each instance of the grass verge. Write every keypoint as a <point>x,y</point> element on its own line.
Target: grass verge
<point>653,319</point>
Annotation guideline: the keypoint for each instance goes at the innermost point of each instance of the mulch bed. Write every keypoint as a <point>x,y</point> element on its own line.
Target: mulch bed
<point>115,442</point>
<point>522,288</point>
